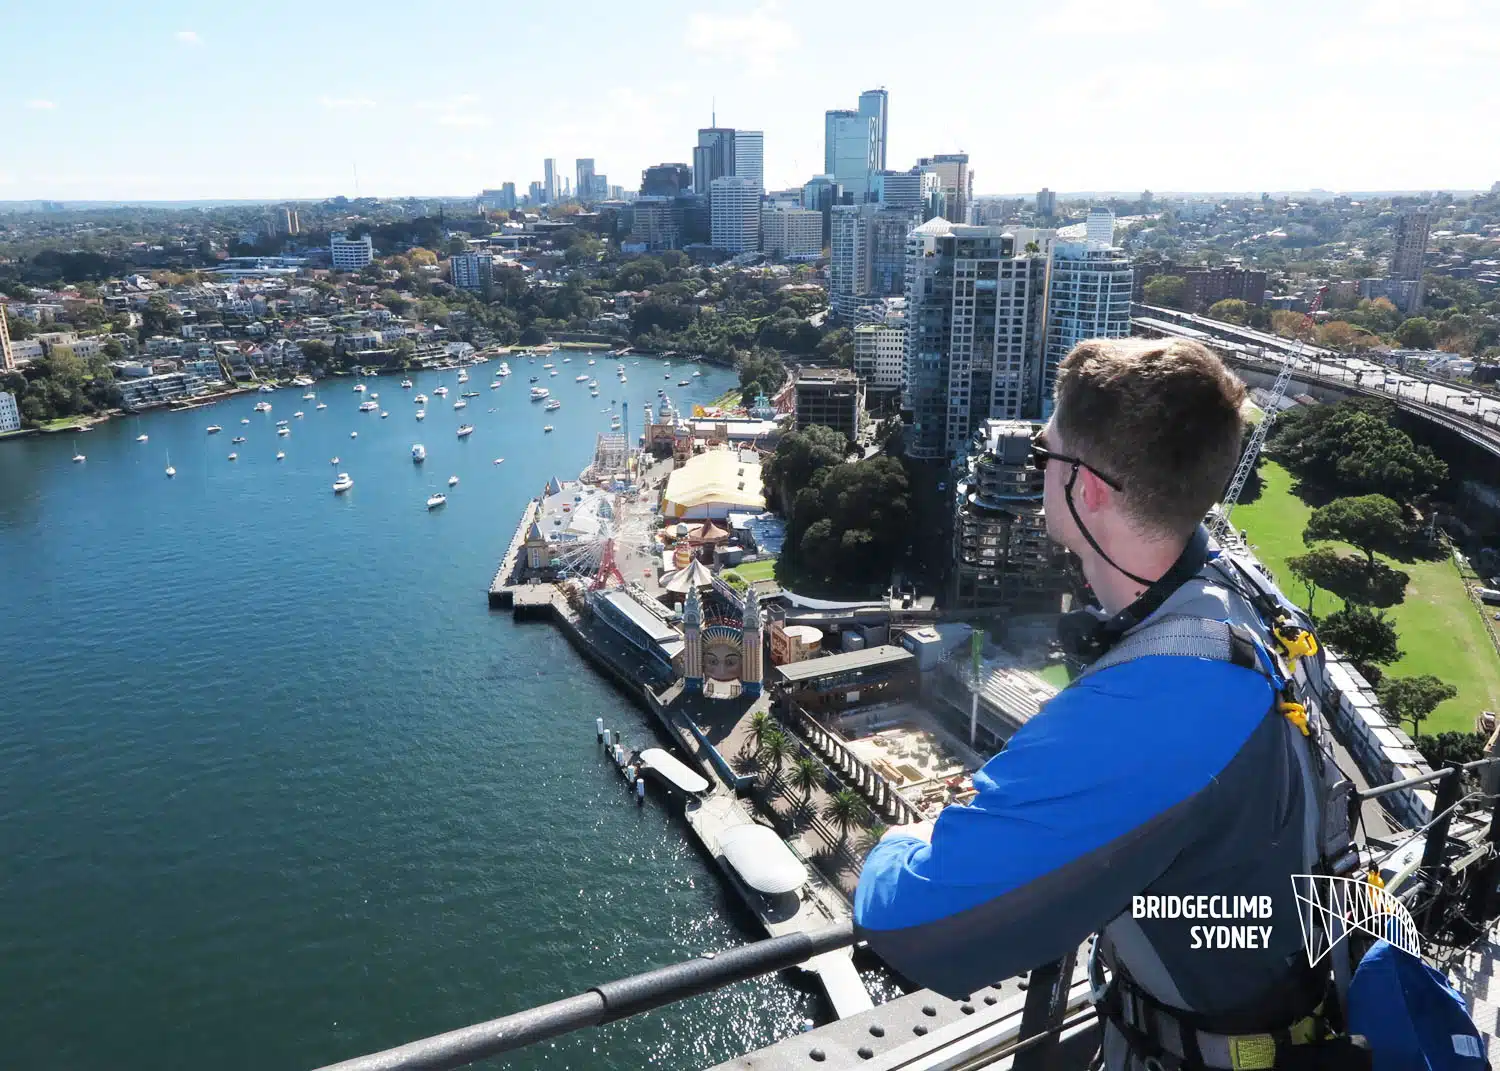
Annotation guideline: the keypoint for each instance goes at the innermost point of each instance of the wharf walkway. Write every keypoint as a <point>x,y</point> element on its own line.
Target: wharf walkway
<point>503,586</point>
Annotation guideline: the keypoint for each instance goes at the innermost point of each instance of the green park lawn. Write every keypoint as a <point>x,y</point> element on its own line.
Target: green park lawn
<point>764,569</point>
<point>1440,630</point>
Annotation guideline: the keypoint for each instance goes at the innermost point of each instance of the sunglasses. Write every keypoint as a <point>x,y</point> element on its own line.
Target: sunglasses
<point>1040,455</point>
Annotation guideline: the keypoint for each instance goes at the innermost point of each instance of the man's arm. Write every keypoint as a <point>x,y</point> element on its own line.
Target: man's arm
<point>1087,806</point>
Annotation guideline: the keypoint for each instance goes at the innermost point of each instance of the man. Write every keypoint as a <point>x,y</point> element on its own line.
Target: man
<point>1150,776</point>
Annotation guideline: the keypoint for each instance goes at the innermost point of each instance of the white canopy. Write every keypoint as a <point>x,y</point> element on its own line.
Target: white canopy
<point>678,773</point>
<point>696,575</point>
<point>760,857</point>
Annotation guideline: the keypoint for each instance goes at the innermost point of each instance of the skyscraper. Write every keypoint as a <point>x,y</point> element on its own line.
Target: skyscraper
<point>957,181</point>
<point>1411,248</point>
<point>734,208</point>
<point>585,171</point>
<point>918,189</point>
<point>850,152</point>
<point>1046,202</point>
<point>974,326</point>
<point>872,105</point>
<point>750,156</point>
<point>666,180</point>
<point>1088,297</point>
<point>1100,227</point>
<point>549,180</point>
<point>867,255</point>
<point>7,359</point>
<point>713,158</point>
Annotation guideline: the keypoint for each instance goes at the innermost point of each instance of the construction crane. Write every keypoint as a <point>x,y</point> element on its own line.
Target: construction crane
<point>1258,437</point>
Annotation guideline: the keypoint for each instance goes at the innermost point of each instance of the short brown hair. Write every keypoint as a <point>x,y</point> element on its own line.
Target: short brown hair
<point>1161,416</point>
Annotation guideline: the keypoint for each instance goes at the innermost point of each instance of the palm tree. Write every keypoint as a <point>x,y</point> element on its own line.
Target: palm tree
<point>776,748</point>
<point>807,774</point>
<point>872,837</point>
<point>761,726</point>
<point>845,809</point>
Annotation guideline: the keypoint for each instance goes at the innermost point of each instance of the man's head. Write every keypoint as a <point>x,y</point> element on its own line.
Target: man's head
<point>1159,419</point>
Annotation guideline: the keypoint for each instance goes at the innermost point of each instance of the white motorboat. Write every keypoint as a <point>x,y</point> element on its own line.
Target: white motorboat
<point>503,370</point>
<point>591,360</point>
<point>546,427</point>
<point>566,360</point>
<point>214,429</point>
<point>354,435</point>
<point>342,484</point>
<point>234,457</point>
<point>593,392</point>
<point>368,407</point>
<point>463,376</point>
<point>262,407</point>
<point>170,470</point>
<point>141,438</point>
<point>283,431</point>
<point>684,382</point>
<point>406,384</point>
<point>547,365</point>
<point>383,414</point>
<point>538,393</point>
<point>298,414</point>
<point>452,481</point>
<point>580,379</point>
<point>77,457</point>
<point>553,372</point>
<point>499,460</point>
<point>420,399</point>
<point>418,453</point>
<point>309,396</point>
<point>553,404</point>
<point>496,384</point>
<point>374,396</point>
<point>282,423</point>
<point>460,404</point>
<point>465,429</point>
<point>335,461</point>
<point>266,388</point>
<point>421,414</point>
<point>696,374</point>
<point>238,439</point>
<point>280,455</point>
<point>321,405</point>
<point>359,388</point>
<point>440,391</point>
<point>436,500</point>
<point>244,420</point>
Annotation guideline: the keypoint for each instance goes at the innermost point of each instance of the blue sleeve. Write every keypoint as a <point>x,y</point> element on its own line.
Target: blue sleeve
<point>1088,805</point>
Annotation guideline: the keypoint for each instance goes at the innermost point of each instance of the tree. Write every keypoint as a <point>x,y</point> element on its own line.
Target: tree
<point>1413,698</point>
<point>1168,290</point>
<point>1313,570</point>
<point>1369,522</point>
<point>762,725</point>
<point>807,774</point>
<point>798,456</point>
<point>1416,334</point>
<point>1449,747</point>
<point>1231,310</point>
<point>316,351</point>
<point>421,257</point>
<point>845,810</point>
<point>1356,448</point>
<point>1366,636</point>
<point>776,748</point>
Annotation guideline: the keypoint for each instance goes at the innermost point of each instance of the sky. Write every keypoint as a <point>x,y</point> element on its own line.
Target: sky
<point>275,100</point>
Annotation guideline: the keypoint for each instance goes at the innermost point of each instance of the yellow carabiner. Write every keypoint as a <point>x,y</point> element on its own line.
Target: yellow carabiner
<point>1295,713</point>
<point>1295,643</point>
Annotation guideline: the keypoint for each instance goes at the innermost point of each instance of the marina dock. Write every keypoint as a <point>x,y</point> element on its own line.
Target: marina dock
<point>503,586</point>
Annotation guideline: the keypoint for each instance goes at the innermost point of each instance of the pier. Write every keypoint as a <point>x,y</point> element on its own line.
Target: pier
<point>503,586</point>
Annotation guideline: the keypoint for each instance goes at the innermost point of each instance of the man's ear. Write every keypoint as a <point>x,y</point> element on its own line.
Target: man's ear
<point>1094,491</point>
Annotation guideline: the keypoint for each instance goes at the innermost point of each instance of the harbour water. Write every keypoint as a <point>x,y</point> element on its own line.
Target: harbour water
<point>277,789</point>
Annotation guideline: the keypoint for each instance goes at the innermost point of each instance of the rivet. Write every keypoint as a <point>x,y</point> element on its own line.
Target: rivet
<point>920,1029</point>
<point>818,1056</point>
<point>866,1053</point>
<point>928,1009</point>
<point>992,999</point>
<point>877,1030</point>
<point>967,1009</point>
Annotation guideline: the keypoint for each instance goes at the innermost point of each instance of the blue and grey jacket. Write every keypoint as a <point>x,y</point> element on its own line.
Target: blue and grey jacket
<point>1164,776</point>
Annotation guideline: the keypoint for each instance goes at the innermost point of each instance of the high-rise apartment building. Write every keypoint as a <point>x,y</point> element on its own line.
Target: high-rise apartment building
<point>820,194</point>
<point>656,223</point>
<point>750,156</point>
<point>1411,249</point>
<point>849,155</point>
<point>1088,297</point>
<point>832,397</point>
<point>585,172</point>
<point>666,180</point>
<point>880,354</point>
<point>1046,202</point>
<point>7,358</point>
<point>791,233</point>
<point>867,246</point>
<point>873,105</point>
<point>956,180</point>
<point>734,208</point>
<point>1002,553</point>
<point>537,193</point>
<point>472,271</point>
<point>350,254</point>
<point>508,196</point>
<point>1208,286</point>
<point>713,158</point>
<point>549,181</point>
<point>974,313</point>
<point>1100,227</point>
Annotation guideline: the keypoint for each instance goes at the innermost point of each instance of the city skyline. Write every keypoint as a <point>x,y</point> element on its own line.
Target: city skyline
<point>308,127</point>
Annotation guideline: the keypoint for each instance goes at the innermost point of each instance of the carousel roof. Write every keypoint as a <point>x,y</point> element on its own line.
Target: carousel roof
<point>696,575</point>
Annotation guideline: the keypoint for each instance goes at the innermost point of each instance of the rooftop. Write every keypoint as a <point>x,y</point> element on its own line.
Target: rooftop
<point>870,658</point>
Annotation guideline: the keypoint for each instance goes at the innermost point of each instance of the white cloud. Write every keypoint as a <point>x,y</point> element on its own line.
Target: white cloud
<point>188,37</point>
<point>754,39</point>
<point>41,105</point>
<point>345,103</point>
